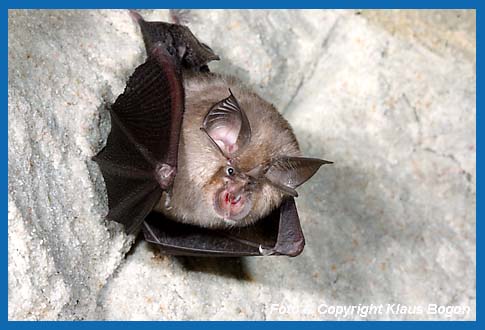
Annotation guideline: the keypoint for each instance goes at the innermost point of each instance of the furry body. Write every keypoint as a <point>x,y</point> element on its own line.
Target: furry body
<point>199,174</point>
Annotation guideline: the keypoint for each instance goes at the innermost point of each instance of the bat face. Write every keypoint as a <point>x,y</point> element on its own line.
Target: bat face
<point>238,156</point>
<point>233,200</point>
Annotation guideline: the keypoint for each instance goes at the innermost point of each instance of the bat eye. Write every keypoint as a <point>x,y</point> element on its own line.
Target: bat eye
<point>230,171</point>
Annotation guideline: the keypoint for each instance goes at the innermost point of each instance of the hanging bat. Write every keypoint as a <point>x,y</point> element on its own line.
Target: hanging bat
<point>200,163</point>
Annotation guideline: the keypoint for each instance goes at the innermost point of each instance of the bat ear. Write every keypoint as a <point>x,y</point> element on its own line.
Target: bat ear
<point>287,173</point>
<point>227,126</point>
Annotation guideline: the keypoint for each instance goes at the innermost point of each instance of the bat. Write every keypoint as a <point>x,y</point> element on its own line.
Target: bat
<point>196,160</point>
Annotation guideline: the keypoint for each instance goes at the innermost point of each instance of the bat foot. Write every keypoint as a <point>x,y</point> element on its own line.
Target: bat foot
<point>180,16</point>
<point>165,175</point>
<point>288,249</point>
<point>265,252</point>
<point>164,50</point>
<point>135,16</point>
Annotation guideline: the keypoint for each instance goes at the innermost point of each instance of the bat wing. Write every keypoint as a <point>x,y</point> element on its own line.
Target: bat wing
<point>139,160</point>
<point>277,234</point>
<point>194,54</point>
<point>141,118</point>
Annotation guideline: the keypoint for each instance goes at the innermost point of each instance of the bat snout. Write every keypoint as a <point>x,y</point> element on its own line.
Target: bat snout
<point>232,203</point>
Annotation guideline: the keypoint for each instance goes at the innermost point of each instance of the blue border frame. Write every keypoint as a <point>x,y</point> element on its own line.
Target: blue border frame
<point>351,4</point>
<point>98,4</point>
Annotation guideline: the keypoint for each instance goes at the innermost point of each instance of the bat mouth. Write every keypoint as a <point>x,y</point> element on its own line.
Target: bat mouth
<point>232,205</point>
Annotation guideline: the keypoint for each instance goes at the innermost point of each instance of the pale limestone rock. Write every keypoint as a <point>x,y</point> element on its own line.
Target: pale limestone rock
<point>392,221</point>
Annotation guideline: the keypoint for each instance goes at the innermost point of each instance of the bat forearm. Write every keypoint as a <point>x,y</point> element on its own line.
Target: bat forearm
<point>166,171</point>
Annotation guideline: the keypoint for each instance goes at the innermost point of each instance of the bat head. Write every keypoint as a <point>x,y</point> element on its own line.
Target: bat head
<point>239,183</point>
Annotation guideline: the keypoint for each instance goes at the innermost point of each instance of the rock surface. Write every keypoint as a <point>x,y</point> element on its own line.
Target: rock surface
<point>388,96</point>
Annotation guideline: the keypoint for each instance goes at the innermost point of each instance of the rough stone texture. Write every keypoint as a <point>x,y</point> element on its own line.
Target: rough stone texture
<point>389,96</point>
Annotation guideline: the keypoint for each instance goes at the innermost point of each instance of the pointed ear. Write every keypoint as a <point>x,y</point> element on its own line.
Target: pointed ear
<point>287,173</point>
<point>227,126</point>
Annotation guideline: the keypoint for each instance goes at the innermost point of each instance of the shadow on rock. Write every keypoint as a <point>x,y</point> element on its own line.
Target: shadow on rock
<point>352,225</point>
<point>232,267</point>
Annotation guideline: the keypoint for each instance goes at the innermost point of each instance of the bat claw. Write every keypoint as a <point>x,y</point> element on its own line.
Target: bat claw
<point>291,249</point>
<point>165,175</point>
<point>135,16</point>
<point>265,252</point>
<point>165,49</point>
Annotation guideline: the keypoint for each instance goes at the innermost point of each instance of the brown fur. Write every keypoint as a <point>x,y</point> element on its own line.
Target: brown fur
<point>199,173</point>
